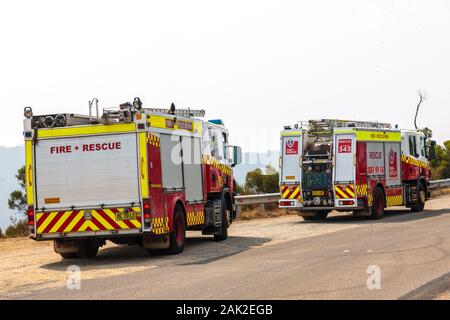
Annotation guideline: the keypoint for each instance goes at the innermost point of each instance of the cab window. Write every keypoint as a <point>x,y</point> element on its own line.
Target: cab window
<point>422,147</point>
<point>219,146</point>
<point>412,146</point>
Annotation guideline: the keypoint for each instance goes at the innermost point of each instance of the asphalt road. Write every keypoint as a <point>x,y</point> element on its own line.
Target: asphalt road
<point>410,250</point>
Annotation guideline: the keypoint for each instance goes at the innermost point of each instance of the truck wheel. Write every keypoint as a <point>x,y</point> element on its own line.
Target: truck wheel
<point>68,255</point>
<point>223,232</point>
<point>421,197</point>
<point>177,237</point>
<point>319,215</point>
<point>88,249</point>
<point>377,210</point>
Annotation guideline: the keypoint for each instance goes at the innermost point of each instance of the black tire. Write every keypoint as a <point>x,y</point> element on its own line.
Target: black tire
<point>88,249</point>
<point>319,215</point>
<point>68,255</point>
<point>177,238</point>
<point>421,197</point>
<point>378,204</point>
<point>223,230</point>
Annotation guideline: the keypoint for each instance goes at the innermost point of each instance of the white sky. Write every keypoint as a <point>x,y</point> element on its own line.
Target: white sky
<point>256,64</point>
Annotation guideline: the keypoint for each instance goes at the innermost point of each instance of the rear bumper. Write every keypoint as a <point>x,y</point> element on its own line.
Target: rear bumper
<point>87,234</point>
<point>296,205</point>
<point>88,223</point>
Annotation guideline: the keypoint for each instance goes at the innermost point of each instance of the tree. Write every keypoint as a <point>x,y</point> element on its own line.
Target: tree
<point>17,229</point>
<point>422,97</point>
<point>17,199</point>
<point>257,181</point>
<point>1,234</point>
<point>239,189</point>
<point>18,202</point>
<point>440,167</point>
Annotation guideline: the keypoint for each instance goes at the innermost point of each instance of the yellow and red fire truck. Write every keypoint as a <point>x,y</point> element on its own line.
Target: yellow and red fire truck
<point>131,175</point>
<point>355,166</point>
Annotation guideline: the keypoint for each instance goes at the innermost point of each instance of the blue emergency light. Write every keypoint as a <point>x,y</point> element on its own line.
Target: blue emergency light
<point>216,121</point>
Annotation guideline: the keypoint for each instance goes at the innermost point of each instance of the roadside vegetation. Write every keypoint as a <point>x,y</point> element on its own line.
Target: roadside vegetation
<point>256,182</point>
<point>18,202</point>
<point>440,167</point>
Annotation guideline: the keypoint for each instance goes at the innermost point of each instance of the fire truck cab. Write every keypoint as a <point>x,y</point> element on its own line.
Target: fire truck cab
<point>131,175</point>
<point>355,166</point>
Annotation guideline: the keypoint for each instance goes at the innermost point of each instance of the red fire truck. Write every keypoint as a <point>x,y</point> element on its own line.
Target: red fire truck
<point>355,166</point>
<point>131,175</point>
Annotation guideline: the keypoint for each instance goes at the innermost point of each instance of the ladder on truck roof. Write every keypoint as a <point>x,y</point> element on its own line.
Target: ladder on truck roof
<point>330,124</point>
<point>187,113</point>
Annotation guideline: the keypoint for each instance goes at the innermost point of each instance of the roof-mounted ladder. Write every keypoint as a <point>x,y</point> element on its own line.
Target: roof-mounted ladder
<point>187,113</point>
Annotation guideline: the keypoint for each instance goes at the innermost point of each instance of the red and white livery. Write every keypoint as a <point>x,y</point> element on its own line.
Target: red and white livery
<point>132,176</point>
<point>356,166</point>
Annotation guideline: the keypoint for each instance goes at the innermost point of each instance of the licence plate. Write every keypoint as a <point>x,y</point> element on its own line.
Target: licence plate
<point>318,193</point>
<point>130,215</point>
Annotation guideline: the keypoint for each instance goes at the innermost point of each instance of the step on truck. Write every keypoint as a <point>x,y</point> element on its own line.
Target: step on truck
<point>131,175</point>
<point>362,167</point>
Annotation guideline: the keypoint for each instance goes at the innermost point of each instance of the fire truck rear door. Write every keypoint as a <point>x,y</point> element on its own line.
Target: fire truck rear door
<point>291,152</point>
<point>344,169</point>
<point>87,171</point>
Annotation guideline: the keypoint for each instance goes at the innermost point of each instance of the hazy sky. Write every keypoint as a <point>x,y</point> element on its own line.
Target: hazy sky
<point>256,64</point>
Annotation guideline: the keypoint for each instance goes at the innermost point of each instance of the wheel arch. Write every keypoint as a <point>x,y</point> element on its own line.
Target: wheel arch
<point>177,201</point>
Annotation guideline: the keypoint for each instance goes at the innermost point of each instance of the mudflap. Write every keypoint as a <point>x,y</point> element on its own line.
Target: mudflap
<point>66,246</point>
<point>154,241</point>
<point>73,246</point>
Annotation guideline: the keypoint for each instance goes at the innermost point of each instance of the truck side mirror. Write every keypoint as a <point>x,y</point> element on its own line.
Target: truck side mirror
<point>237,156</point>
<point>431,150</point>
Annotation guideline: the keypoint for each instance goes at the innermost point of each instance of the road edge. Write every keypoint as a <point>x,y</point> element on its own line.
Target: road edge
<point>430,290</point>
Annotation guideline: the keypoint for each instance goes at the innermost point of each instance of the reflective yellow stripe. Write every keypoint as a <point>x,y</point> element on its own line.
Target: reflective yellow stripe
<point>39,216</point>
<point>85,130</point>
<point>344,131</point>
<point>74,221</point>
<point>113,217</point>
<point>343,195</point>
<point>88,223</point>
<point>350,192</point>
<point>378,135</point>
<point>286,193</point>
<point>60,221</point>
<point>394,200</point>
<point>143,164</point>
<point>29,171</point>
<point>136,223</point>
<point>83,226</point>
<point>47,221</point>
<point>100,219</point>
<point>297,190</point>
<point>291,133</point>
<point>160,122</point>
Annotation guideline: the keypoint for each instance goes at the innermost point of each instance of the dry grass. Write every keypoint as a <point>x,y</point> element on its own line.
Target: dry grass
<point>440,192</point>
<point>268,213</point>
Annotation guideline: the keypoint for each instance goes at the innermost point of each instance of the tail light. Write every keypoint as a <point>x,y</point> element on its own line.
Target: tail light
<point>286,203</point>
<point>147,210</point>
<point>347,202</point>
<point>30,215</point>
